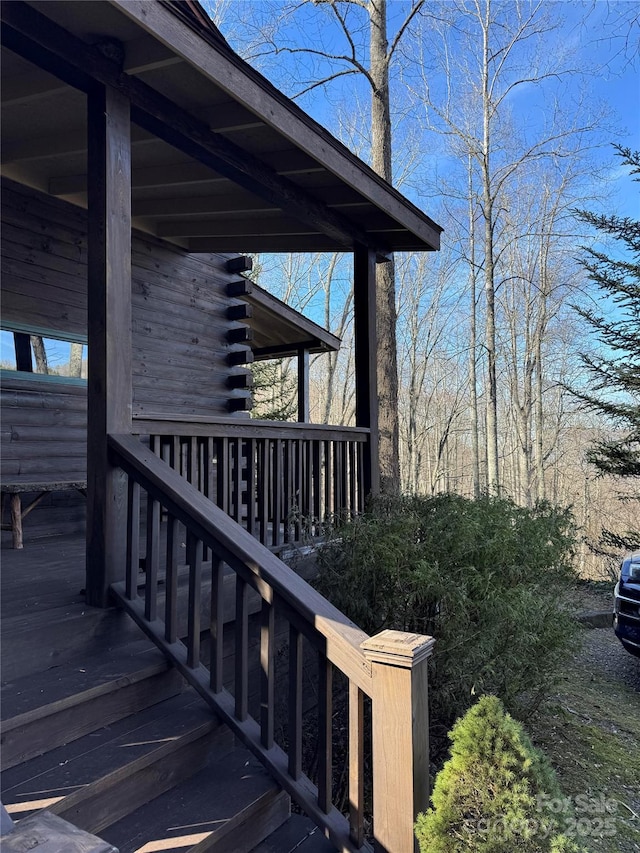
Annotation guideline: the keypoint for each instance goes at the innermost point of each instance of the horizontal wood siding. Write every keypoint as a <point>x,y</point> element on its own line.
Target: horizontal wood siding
<point>53,448</point>
<point>179,302</point>
<point>179,339</point>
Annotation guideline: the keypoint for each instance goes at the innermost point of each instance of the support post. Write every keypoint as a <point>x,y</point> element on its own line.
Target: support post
<point>399,662</point>
<point>364,314</point>
<point>303,386</point>
<point>109,390</point>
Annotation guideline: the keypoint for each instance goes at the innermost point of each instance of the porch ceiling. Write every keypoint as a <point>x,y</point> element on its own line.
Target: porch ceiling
<point>279,331</point>
<point>221,160</point>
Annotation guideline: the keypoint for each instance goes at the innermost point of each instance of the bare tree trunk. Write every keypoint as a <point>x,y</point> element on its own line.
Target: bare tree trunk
<point>75,360</point>
<point>386,282</point>
<point>473,379</point>
<point>40,355</point>
<point>493,479</point>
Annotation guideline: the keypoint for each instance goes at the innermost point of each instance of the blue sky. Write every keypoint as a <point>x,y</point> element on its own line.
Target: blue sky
<point>601,39</point>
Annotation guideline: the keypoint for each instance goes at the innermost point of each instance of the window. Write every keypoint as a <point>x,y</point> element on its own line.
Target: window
<point>42,352</point>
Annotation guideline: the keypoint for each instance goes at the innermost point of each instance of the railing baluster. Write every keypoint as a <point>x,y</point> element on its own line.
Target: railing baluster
<point>299,489</point>
<point>287,503</point>
<point>151,559</point>
<point>133,538</point>
<point>351,447</point>
<point>356,764</point>
<point>171,581</point>
<point>251,485</point>
<point>328,491</point>
<point>277,491</point>
<point>193,461</point>
<point>267,674</point>
<point>295,702</point>
<point>338,478</point>
<point>242,649</point>
<point>222,474</point>
<point>217,624</point>
<point>194,556</point>
<point>325,739</point>
<point>237,482</point>
<point>316,477</point>
<point>361,494</point>
<point>263,486</point>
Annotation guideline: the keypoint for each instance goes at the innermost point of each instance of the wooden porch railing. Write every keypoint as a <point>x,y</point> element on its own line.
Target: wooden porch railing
<point>281,481</point>
<point>390,669</point>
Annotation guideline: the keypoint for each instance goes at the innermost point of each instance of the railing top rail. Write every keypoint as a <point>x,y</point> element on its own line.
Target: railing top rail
<point>342,638</point>
<point>159,424</point>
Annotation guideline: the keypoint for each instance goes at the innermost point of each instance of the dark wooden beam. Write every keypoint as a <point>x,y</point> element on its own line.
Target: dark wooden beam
<point>109,387</point>
<point>227,70</point>
<point>303,386</point>
<point>22,345</point>
<point>364,319</point>
<point>50,46</point>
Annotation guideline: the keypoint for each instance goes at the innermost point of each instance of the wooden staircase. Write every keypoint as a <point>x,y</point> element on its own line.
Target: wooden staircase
<point>125,750</point>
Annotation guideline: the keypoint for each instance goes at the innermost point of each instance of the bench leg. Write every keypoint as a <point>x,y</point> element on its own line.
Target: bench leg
<point>16,520</point>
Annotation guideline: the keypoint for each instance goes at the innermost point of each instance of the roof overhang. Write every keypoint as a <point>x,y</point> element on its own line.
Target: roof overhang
<point>279,331</point>
<point>221,160</point>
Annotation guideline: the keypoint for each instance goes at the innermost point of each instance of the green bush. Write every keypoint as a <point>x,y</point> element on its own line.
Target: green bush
<point>493,794</point>
<point>483,577</point>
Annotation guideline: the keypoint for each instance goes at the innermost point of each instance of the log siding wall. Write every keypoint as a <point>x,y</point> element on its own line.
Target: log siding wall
<point>179,328</point>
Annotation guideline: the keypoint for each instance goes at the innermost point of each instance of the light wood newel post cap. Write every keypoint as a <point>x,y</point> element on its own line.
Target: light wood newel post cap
<point>398,648</point>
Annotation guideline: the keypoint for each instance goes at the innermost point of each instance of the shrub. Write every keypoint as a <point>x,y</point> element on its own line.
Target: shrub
<point>490,795</point>
<point>483,577</point>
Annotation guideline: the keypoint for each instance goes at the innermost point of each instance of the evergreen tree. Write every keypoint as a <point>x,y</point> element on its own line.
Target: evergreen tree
<point>496,794</point>
<point>615,371</point>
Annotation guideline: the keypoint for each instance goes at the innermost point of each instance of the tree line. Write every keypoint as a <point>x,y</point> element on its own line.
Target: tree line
<point>483,113</point>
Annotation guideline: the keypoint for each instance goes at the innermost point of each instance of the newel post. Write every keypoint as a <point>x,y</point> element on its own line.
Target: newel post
<point>400,735</point>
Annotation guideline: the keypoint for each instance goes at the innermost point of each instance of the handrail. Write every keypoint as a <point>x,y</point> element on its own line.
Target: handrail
<point>283,481</point>
<point>388,668</point>
<point>160,424</point>
<point>241,551</point>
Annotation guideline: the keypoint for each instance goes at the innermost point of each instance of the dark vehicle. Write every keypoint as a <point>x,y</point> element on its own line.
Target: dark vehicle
<point>626,613</point>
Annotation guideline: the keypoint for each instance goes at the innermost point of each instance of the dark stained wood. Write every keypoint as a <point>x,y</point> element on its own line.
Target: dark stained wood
<point>295,702</point>
<point>303,386</point>
<point>58,51</point>
<point>22,347</point>
<point>65,720</point>
<point>171,581</point>
<point>217,625</point>
<point>364,318</point>
<point>356,765</point>
<point>267,674</point>
<point>133,538</point>
<point>109,319</point>
<point>242,650</point>
<point>194,556</point>
<point>325,737</point>
<point>269,105</point>
<point>152,560</point>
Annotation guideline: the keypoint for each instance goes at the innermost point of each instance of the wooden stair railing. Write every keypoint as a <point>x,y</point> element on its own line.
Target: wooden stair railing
<point>282,481</point>
<point>390,668</point>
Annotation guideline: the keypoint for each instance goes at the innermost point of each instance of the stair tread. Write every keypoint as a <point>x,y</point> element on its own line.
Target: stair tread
<point>297,835</point>
<point>204,804</point>
<point>68,768</point>
<point>76,678</point>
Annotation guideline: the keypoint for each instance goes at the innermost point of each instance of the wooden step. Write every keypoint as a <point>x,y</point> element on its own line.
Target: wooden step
<point>230,806</point>
<point>34,641</point>
<point>296,835</point>
<point>103,776</point>
<point>67,702</point>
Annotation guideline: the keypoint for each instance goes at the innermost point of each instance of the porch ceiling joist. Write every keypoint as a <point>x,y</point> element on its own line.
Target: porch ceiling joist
<point>43,42</point>
<point>227,71</point>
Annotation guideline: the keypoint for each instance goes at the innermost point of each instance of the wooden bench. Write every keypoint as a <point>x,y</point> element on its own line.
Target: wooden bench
<point>18,512</point>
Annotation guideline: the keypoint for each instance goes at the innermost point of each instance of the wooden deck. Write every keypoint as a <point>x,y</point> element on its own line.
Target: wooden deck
<point>44,618</point>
